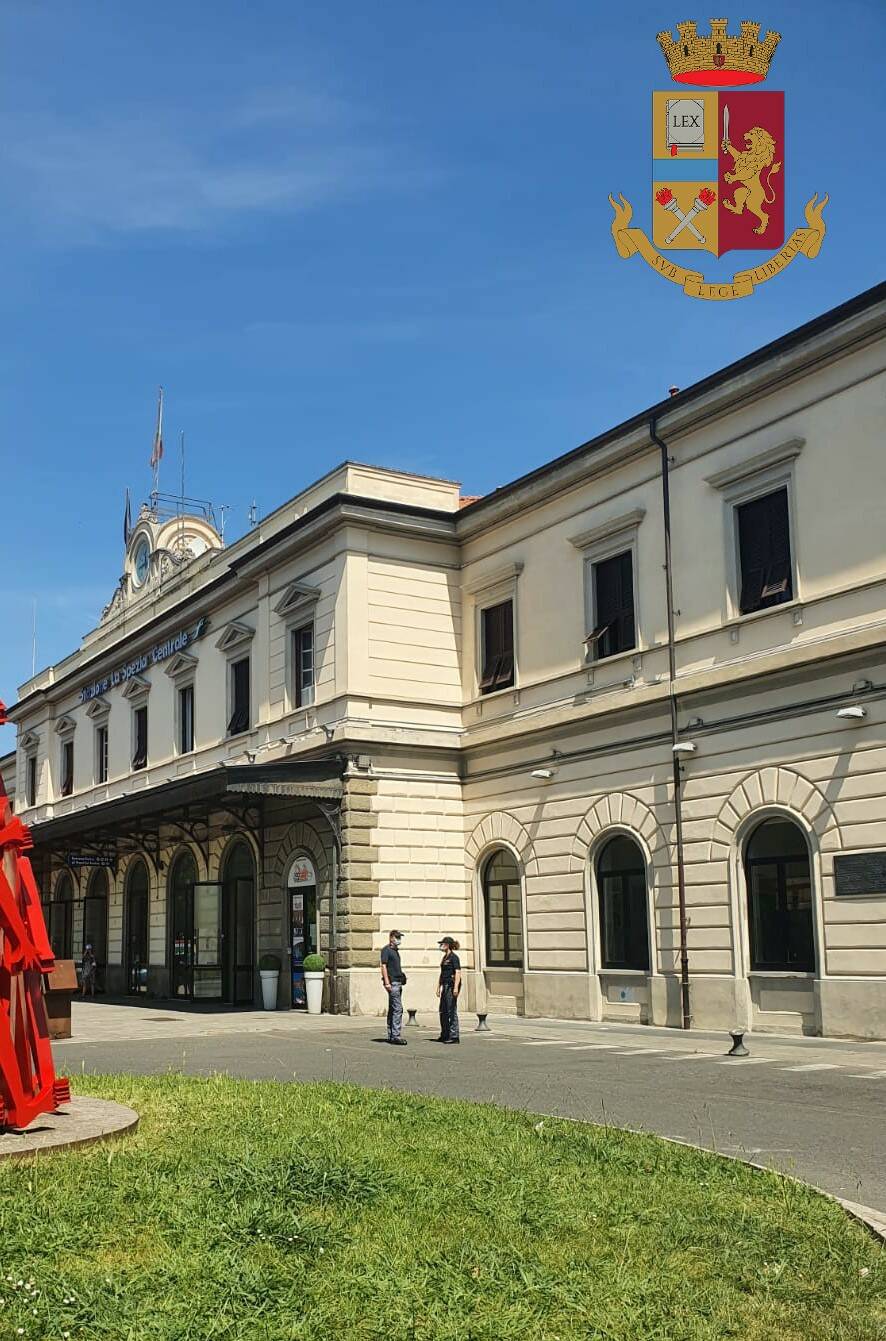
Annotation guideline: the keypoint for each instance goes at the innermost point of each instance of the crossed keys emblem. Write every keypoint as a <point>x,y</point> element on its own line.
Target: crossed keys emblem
<point>703,200</point>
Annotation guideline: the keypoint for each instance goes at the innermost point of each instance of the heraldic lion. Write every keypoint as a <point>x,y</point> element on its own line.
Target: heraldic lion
<point>748,169</point>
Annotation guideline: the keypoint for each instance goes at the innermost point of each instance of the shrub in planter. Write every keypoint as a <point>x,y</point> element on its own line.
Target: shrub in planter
<point>314,966</point>
<point>269,973</point>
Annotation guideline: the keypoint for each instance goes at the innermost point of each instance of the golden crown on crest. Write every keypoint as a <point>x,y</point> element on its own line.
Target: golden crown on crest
<point>720,58</point>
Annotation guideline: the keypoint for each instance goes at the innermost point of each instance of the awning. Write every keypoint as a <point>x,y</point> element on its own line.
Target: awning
<point>192,798</point>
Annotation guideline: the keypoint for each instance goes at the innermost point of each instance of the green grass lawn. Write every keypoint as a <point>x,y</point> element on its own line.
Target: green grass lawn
<point>327,1211</point>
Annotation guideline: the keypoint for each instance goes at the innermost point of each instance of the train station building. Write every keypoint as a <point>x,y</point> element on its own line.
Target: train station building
<point>391,705</point>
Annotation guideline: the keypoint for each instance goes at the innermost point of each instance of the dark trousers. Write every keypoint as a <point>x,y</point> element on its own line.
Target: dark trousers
<point>448,1012</point>
<point>395,1009</point>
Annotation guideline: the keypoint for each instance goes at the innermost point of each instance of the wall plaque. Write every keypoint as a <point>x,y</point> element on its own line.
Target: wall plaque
<point>860,873</point>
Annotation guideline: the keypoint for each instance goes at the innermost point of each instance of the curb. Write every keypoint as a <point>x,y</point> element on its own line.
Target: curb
<point>873,1220</point>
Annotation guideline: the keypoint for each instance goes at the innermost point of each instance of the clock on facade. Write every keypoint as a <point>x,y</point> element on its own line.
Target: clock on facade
<point>141,562</point>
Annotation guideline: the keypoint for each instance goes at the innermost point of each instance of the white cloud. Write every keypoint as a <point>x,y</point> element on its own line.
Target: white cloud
<point>277,152</point>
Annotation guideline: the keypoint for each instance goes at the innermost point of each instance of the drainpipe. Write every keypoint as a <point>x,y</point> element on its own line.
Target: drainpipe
<point>672,702</point>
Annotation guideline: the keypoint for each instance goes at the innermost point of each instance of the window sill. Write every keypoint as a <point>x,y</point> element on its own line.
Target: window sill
<point>238,735</point>
<point>805,974</point>
<point>624,972</point>
<point>736,620</point>
<point>590,663</point>
<point>494,694</point>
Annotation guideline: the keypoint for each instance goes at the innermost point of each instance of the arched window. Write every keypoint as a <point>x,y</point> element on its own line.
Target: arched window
<point>136,927</point>
<point>624,910</point>
<point>503,911</point>
<point>61,918</point>
<point>780,898</point>
<point>95,919</point>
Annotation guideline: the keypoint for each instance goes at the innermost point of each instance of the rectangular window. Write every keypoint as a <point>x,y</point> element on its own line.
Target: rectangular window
<point>497,647</point>
<point>101,753</point>
<point>32,780</point>
<point>613,589</point>
<point>67,767</point>
<point>303,666</point>
<point>140,737</point>
<point>239,720</point>
<point>186,719</point>
<point>764,552</point>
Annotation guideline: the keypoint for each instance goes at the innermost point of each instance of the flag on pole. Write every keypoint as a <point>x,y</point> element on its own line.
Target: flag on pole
<point>127,520</point>
<point>157,450</point>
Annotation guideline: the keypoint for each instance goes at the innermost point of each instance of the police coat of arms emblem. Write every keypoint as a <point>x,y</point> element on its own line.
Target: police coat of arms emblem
<point>718,163</point>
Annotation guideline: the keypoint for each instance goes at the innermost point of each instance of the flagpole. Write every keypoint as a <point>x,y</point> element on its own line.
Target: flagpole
<point>158,448</point>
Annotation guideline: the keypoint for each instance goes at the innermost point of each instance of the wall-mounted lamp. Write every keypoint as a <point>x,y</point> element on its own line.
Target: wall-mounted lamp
<point>684,747</point>
<point>854,713</point>
<point>543,774</point>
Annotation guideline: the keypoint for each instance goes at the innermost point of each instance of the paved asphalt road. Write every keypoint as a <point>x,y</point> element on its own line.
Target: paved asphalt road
<point>807,1107</point>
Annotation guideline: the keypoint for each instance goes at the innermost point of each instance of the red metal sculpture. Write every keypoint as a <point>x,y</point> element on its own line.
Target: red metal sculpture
<point>28,1083</point>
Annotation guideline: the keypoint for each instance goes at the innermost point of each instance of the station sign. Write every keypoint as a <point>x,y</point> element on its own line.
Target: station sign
<point>108,859</point>
<point>178,642</point>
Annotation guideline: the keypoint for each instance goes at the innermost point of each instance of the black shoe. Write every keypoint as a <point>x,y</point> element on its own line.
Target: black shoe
<point>451,1040</point>
<point>440,1039</point>
<point>399,1042</point>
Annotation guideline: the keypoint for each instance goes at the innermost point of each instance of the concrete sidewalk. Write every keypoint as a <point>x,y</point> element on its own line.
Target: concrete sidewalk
<point>102,1020</point>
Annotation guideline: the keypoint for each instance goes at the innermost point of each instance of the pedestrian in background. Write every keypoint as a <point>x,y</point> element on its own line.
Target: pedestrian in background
<point>394,979</point>
<point>88,972</point>
<point>448,989</point>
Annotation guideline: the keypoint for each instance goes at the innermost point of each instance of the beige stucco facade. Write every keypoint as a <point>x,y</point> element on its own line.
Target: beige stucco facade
<point>393,576</point>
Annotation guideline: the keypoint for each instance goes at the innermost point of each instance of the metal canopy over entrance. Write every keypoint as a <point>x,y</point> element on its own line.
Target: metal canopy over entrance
<point>209,930</point>
<point>135,820</point>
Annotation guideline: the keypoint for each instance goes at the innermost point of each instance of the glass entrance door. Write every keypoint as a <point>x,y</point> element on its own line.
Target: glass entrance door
<point>181,925</point>
<point>237,948</point>
<point>206,961</point>
<point>137,899</point>
<point>196,940</point>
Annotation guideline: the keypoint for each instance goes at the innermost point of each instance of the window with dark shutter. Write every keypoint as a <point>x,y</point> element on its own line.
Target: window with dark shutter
<point>614,629</point>
<point>497,637</point>
<point>32,779</point>
<point>239,697</point>
<point>303,665</point>
<point>140,752</point>
<point>764,549</point>
<point>101,754</point>
<point>186,719</point>
<point>67,767</point>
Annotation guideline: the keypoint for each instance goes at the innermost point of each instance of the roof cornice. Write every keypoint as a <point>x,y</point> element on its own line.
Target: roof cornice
<point>821,340</point>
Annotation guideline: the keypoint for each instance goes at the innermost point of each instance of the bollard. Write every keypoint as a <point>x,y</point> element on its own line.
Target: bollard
<point>482,1026</point>
<point>412,1014</point>
<point>738,1048</point>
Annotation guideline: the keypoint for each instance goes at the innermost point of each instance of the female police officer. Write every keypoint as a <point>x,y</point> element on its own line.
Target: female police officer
<point>448,988</point>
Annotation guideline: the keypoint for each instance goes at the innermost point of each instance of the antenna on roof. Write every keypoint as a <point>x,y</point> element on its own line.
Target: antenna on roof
<point>224,509</point>
<point>253,514</point>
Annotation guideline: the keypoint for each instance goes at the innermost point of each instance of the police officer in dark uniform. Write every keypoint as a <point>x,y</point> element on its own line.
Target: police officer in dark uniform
<point>394,980</point>
<point>448,989</point>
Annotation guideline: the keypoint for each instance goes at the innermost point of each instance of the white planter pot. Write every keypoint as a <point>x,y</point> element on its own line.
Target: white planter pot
<point>269,987</point>
<point>314,989</point>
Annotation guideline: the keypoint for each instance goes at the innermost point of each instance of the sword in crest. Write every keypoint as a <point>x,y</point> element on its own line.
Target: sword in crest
<point>725,126</point>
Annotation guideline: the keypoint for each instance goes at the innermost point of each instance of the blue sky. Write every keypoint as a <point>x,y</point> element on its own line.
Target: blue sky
<point>346,230</point>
